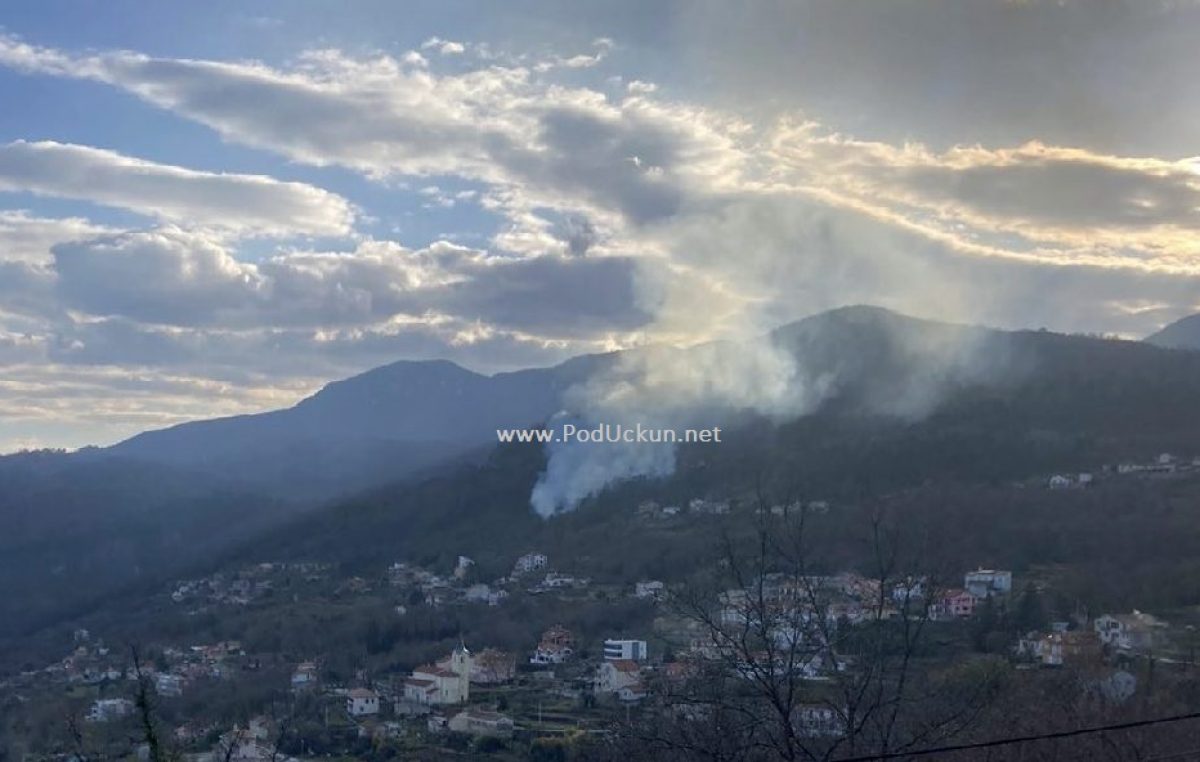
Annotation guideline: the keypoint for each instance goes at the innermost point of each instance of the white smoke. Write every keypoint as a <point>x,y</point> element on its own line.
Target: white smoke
<point>666,388</point>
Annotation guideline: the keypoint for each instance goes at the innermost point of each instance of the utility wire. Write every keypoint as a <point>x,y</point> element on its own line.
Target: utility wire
<point>1023,739</point>
<point>1189,754</point>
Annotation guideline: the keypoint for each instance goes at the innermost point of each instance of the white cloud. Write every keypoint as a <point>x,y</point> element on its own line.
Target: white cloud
<point>248,204</point>
<point>175,277</point>
<point>1053,205</point>
<point>628,218</point>
<point>445,47</point>
<point>558,147</point>
<point>25,237</point>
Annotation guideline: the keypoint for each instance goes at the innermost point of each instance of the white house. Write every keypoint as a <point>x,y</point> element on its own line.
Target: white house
<point>652,589</point>
<point>530,562</point>
<point>632,650</point>
<point>478,722</point>
<point>713,507</point>
<point>237,748</point>
<point>613,676</point>
<point>305,676</point>
<point>447,682</point>
<point>984,583</point>
<point>1058,481</point>
<point>556,646</point>
<point>909,589</point>
<point>104,710</point>
<point>362,702</point>
<point>818,721</point>
<point>1138,631</point>
<point>167,684</point>
<point>477,593</point>
<point>463,567</point>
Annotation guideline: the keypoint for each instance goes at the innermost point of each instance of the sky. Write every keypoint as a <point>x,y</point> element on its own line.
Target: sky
<point>210,209</point>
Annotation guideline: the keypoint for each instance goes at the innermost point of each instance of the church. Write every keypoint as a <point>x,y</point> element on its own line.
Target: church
<point>447,682</point>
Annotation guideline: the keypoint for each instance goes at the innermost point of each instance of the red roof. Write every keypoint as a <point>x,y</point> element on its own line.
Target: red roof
<point>430,669</point>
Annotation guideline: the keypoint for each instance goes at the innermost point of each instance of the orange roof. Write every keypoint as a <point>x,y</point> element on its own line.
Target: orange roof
<point>430,669</point>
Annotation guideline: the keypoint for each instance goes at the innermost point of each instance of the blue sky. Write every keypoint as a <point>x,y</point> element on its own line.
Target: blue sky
<point>209,209</point>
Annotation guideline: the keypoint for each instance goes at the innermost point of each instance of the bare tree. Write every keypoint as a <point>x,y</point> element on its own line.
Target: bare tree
<point>144,703</point>
<point>75,736</point>
<point>789,660</point>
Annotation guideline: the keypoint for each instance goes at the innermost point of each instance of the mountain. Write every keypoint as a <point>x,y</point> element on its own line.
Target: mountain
<point>1182,334</point>
<point>902,401</point>
<point>374,427</point>
<point>909,403</point>
<point>79,530</point>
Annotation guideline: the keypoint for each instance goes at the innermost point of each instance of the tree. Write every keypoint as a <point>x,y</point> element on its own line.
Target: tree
<point>788,661</point>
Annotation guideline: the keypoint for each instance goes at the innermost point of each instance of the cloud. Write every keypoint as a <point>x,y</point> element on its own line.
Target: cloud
<point>166,276</point>
<point>174,277</point>
<point>246,204</point>
<point>542,144</point>
<point>25,237</point>
<point>1112,77</point>
<point>445,47</point>
<point>1045,204</point>
<point>627,218</point>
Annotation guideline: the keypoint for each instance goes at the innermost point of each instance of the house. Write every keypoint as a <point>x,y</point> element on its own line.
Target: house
<point>985,583</point>
<point>447,682</point>
<point>556,581</point>
<point>632,650</point>
<point>955,603</point>
<point>612,676</point>
<point>305,676</point>
<point>650,589</point>
<point>1117,688</point>
<point>818,721</point>
<point>463,567</point>
<point>491,667</point>
<point>648,509</point>
<point>631,693</point>
<point>1137,631</point>
<point>106,710</point>
<point>1058,481</point>
<point>1056,649</point>
<point>166,684</point>
<point>710,507</point>
<point>238,746</point>
<point>556,646</point>
<point>530,562</point>
<point>362,702</point>
<point>478,722</point>
<point>908,590</point>
<point>478,593</point>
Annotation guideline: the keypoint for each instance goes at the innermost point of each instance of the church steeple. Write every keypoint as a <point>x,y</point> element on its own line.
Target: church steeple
<point>460,664</point>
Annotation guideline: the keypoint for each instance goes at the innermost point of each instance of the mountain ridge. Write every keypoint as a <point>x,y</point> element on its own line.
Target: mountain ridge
<point>1183,333</point>
<point>906,399</point>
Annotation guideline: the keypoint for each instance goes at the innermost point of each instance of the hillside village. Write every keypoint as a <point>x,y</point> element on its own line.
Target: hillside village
<point>563,682</point>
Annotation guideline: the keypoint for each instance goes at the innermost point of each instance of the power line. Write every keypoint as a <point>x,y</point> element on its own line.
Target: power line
<point>1189,754</point>
<point>1023,739</point>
